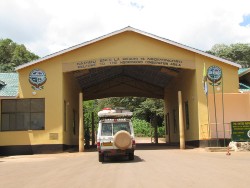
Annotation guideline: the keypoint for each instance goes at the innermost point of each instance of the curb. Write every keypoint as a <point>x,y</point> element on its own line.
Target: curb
<point>217,149</point>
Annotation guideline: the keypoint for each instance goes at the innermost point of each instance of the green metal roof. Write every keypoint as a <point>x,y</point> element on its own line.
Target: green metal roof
<point>8,84</point>
<point>240,71</point>
<point>244,86</point>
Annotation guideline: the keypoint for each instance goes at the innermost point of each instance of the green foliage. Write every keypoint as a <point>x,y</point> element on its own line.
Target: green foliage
<point>13,54</point>
<point>130,103</point>
<point>143,129</point>
<point>239,53</point>
<point>88,108</point>
<point>149,108</point>
<point>143,108</point>
<point>161,132</point>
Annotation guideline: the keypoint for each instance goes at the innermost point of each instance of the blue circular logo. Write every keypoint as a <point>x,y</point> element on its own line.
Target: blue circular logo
<point>37,78</point>
<point>214,73</point>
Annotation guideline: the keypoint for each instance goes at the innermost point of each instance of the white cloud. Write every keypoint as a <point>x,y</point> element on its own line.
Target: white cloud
<point>48,26</point>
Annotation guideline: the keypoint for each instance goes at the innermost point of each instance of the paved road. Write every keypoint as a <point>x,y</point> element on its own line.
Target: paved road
<point>152,167</point>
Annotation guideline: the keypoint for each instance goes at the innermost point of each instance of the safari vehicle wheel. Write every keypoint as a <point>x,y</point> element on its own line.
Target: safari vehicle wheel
<point>101,157</point>
<point>131,156</point>
<point>122,140</point>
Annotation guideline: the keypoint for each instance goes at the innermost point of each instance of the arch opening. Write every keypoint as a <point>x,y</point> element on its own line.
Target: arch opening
<point>121,81</point>
<point>134,81</point>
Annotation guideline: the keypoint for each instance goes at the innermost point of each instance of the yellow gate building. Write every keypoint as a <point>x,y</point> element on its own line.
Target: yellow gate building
<point>47,112</point>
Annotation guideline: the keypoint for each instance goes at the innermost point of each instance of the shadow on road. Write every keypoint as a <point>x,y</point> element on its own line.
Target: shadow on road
<point>145,146</point>
<point>152,146</point>
<point>117,159</point>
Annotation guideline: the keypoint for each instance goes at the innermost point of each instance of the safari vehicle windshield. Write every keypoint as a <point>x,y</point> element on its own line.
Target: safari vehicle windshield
<point>110,129</point>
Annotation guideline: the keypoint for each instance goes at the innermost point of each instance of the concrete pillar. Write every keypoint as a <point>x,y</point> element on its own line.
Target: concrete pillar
<point>181,123</point>
<point>81,126</point>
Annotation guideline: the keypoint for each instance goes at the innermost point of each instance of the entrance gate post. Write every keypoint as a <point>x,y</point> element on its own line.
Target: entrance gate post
<point>81,129</point>
<point>181,124</point>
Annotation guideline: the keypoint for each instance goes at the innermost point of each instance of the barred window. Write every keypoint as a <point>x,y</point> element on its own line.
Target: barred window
<point>187,115</point>
<point>22,114</point>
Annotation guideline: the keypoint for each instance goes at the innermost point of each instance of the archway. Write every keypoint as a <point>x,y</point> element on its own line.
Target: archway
<point>128,80</point>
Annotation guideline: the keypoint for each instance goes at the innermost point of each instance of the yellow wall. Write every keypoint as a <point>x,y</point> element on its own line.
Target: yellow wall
<point>190,84</point>
<point>231,84</point>
<point>184,82</point>
<point>53,94</point>
<point>126,44</point>
<point>71,91</point>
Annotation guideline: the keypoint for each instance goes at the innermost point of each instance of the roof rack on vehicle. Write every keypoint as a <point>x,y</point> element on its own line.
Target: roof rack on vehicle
<point>108,113</point>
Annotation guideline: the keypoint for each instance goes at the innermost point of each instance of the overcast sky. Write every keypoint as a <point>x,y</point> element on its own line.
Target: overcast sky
<point>48,26</point>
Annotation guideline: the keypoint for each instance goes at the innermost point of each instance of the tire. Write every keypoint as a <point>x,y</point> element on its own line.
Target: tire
<point>122,140</point>
<point>101,157</point>
<point>131,156</point>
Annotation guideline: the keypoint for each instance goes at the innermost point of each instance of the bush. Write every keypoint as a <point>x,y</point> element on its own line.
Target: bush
<point>161,132</point>
<point>143,129</point>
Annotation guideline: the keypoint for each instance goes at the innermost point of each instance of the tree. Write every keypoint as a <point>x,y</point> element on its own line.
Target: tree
<point>130,103</point>
<point>238,53</point>
<point>90,109</point>
<point>13,54</point>
<point>153,110</point>
<point>149,108</point>
<point>143,108</point>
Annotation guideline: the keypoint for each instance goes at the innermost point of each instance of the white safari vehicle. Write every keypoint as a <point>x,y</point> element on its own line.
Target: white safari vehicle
<point>115,135</point>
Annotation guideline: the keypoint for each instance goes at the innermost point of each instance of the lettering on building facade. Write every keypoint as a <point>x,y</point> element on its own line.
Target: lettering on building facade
<point>119,61</point>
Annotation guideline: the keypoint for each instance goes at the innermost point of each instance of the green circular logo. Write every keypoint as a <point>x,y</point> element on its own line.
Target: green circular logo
<point>214,73</point>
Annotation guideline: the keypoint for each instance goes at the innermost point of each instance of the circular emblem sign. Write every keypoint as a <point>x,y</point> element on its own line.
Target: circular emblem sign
<point>248,134</point>
<point>214,73</point>
<point>37,78</point>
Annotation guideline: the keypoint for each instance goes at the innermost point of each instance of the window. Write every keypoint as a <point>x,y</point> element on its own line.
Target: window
<point>175,123</point>
<point>121,126</point>
<point>186,115</point>
<point>22,114</point>
<point>110,129</point>
<point>106,129</point>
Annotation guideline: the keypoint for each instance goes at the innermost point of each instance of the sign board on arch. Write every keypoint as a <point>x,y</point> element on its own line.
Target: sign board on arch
<point>120,61</point>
